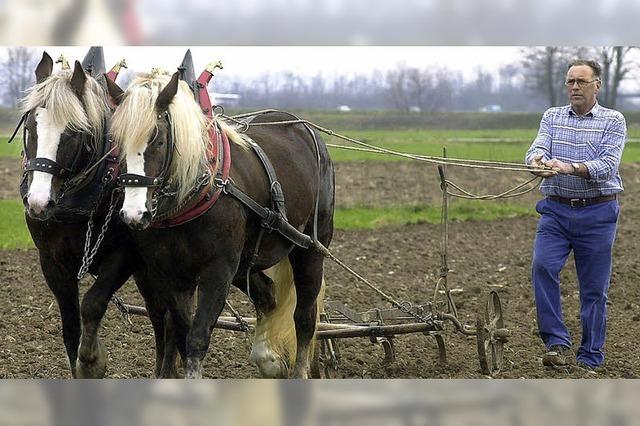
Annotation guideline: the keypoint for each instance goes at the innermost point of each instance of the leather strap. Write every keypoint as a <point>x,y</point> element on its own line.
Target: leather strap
<point>277,196</point>
<point>582,202</point>
<point>139,181</point>
<point>22,119</point>
<point>41,164</point>
<point>270,219</point>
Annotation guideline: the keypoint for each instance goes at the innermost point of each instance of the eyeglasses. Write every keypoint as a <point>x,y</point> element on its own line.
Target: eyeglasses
<point>581,83</point>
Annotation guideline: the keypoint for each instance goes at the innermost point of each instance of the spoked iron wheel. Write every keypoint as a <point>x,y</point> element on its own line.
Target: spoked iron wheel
<point>491,335</point>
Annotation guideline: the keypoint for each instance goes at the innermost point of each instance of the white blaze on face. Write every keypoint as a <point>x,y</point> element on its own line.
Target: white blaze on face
<point>135,199</point>
<point>48,140</point>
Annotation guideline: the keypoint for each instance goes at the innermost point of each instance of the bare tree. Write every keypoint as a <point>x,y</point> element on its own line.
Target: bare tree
<point>616,66</point>
<point>545,68</point>
<point>397,84</point>
<point>543,71</point>
<point>16,74</point>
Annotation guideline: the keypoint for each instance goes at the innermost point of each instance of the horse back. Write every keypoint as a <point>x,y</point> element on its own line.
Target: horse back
<point>302,166</point>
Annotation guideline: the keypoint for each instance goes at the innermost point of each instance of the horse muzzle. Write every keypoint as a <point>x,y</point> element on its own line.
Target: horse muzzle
<point>138,220</point>
<point>39,208</point>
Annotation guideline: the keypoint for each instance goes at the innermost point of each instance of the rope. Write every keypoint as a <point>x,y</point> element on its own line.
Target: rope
<point>497,165</point>
<point>510,193</point>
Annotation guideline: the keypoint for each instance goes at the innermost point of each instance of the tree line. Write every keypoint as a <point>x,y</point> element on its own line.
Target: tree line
<point>532,82</point>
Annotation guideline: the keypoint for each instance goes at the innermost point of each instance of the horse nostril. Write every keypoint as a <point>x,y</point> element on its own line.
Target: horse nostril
<point>51,204</point>
<point>146,217</point>
<point>121,214</point>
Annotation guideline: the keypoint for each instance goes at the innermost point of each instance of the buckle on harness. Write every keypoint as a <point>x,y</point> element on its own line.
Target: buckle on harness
<point>578,202</point>
<point>221,183</point>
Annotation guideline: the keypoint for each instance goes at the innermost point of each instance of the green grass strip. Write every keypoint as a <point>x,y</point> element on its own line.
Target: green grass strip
<point>12,149</point>
<point>461,210</point>
<point>496,145</point>
<point>13,229</point>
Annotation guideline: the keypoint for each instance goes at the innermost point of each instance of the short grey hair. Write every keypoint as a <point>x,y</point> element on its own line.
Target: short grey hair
<point>595,67</point>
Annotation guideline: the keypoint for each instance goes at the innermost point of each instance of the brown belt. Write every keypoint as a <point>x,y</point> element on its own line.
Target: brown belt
<point>582,202</point>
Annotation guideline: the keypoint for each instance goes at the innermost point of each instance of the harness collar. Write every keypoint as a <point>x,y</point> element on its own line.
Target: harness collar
<point>219,156</point>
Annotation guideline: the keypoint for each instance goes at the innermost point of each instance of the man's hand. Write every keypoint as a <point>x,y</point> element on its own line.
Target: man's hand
<point>560,166</point>
<point>537,162</point>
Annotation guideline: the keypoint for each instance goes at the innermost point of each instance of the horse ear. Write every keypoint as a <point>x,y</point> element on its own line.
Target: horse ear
<point>115,92</point>
<point>44,68</point>
<point>78,80</point>
<point>166,96</point>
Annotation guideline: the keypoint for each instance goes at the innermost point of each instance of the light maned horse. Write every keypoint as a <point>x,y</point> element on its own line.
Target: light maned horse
<point>163,134</point>
<point>65,182</point>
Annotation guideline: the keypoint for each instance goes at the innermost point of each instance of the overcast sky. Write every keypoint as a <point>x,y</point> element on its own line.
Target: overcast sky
<point>252,61</point>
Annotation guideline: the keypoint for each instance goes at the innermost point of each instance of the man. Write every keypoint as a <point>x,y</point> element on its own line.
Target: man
<point>578,149</point>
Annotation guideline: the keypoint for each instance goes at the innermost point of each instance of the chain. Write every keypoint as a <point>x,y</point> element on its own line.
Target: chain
<point>87,245</point>
<point>406,307</point>
<point>90,253</point>
<point>244,325</point>
<point>122,307</point>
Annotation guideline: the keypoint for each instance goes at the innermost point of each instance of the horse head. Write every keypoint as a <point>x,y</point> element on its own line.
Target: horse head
<point>155,118</point>
<point>65,118</point>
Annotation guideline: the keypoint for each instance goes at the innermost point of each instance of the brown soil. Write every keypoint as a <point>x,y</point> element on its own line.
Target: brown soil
<point>403,261</point>
<point>10,173</point>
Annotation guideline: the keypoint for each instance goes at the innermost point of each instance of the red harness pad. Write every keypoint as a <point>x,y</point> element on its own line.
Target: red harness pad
<point>218,143</point>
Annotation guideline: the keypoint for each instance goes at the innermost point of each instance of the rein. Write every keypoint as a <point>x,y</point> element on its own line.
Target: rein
<point>22,120</point>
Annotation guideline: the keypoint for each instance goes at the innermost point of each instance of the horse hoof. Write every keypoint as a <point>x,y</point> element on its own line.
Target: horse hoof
<point>193,369</point>
<point>94,364</point>
<point>302,374</point>
<point>270,364</point>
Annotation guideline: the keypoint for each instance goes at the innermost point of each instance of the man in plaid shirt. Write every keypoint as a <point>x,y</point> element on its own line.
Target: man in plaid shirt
<point>578,148</point>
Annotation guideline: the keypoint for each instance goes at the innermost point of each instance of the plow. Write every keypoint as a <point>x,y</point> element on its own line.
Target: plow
<point>338,321</point>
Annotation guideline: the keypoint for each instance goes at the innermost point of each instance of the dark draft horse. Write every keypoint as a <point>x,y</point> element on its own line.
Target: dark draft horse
<point>162,133</point>
<point>66,127</point>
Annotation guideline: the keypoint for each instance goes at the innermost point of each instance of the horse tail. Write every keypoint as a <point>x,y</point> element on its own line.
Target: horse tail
<point>275,330</point>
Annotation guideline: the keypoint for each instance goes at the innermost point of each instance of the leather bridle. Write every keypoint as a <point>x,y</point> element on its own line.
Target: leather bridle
<point>133,180</point>
<point>73,179</point>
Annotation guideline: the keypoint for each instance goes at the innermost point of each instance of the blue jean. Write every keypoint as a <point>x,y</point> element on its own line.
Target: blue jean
<point>589,232</point>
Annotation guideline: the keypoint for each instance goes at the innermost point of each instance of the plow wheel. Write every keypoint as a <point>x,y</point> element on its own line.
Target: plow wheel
<point>491,335</point>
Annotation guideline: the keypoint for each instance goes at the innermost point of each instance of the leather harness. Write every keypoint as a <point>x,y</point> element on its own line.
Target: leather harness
<point>219,161</point>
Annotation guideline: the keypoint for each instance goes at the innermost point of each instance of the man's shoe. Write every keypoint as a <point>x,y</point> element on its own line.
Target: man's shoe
<point>585,366</point>
<point>557,356</point>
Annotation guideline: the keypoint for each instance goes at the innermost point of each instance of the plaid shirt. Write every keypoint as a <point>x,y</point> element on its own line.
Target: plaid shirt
<point>595,139</point>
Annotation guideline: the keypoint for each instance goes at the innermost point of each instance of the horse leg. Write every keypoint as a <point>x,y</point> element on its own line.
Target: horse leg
<point>168,368</point>
<point>64,286</point>
<point>177,325</point>
<point>260,290</point>
<point>307,268</point>
<point>92,359</point>
<point>213,289</point>
<point>166,350</point>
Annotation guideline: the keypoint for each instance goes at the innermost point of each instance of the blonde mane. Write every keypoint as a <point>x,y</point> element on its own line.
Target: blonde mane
<point>135,121</point>
<point>64,106</point>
